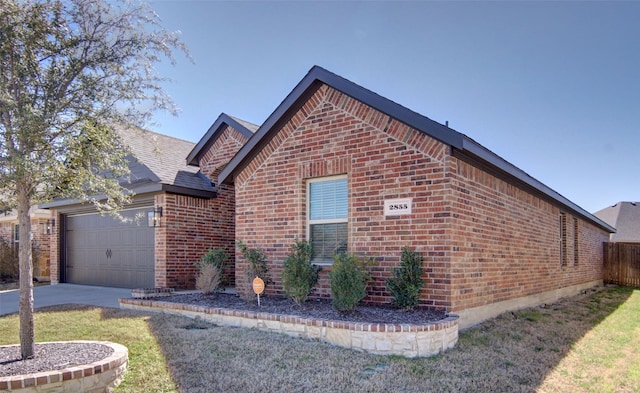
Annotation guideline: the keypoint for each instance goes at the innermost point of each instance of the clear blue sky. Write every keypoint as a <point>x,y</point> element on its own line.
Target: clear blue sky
<point>552,87</point>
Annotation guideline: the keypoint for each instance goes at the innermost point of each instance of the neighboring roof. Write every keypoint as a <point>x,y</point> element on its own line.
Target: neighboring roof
<point>160,159</point>
<point>157,164</point>
<point>463,146</point>
<point>625,217</point>
<point>244,127</point>
<point>12,215</point>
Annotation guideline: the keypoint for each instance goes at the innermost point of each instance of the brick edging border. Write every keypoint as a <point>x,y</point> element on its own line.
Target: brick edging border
<point>408,340</point>
<point>112,368</point>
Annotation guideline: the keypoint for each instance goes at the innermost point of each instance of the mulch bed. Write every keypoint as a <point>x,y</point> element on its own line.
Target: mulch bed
<point>313,308</point>
<point>58,356</point>
<point>51,356</point>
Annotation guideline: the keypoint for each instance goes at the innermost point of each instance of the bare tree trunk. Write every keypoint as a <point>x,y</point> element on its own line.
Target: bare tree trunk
<point>27,337</point>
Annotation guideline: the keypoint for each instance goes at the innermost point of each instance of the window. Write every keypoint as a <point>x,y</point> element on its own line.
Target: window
<point>563,239</point>
<point>575,242</point>
<point>328,215</point>
<point>569,240</point>
<point>16,233</point>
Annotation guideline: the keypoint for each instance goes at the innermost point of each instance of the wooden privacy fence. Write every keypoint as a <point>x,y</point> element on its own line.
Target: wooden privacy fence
<point>622,264</point>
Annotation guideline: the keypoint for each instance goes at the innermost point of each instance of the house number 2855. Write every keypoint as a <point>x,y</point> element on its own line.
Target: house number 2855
<point>397,207</point>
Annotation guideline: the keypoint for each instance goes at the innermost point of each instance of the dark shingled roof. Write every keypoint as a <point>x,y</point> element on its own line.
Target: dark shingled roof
<point>625,217</point>
<point>462,146</point>
<point>157,164</point>
<point>159,159</point>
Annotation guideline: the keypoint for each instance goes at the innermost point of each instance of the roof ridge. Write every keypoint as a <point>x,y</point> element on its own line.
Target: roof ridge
<point>163,135</point>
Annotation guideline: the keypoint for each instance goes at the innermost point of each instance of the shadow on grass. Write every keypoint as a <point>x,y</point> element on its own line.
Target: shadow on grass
<point>514,352</point>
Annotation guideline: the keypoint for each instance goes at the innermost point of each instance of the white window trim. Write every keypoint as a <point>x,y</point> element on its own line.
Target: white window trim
<point>325,221</point>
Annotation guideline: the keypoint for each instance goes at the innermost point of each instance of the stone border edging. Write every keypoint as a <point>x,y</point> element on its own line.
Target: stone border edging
<point>98,376</point>
<point>407,340</point>
<point>142,293</point>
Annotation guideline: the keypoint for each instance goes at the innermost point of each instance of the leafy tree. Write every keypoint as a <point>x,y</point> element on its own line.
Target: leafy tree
<point>71,71</point>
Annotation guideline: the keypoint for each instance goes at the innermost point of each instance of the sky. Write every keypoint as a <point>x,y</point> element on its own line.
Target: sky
<point>552,87</point>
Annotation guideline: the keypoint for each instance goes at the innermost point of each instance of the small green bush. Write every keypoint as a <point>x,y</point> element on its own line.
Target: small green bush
<point>257,267</point>
<point>215,258</point>
<point>299,276</point>
<point>8,260</point>
<point>407,280</point>
<point>348,278</point>
<point>210,278</point>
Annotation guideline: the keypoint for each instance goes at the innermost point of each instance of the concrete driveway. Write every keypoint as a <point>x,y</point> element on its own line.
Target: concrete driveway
<point>50,295</point>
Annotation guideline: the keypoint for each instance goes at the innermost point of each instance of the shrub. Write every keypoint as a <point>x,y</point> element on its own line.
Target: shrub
<point>348,278</point>
<point>8,260</point>
<point>257,267</point>
<point>210,278</point>
<point>407,280</point>
<point>299,276</point>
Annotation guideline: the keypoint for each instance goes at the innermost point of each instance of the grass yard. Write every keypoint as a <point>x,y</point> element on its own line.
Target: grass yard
<point>588,343</point>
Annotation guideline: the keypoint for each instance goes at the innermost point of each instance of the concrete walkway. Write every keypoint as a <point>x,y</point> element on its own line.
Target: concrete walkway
<point>50,295</point>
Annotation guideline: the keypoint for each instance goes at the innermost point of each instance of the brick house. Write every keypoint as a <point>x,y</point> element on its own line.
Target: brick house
<point>177,215</point>
<point>625,217</point>
<point>346,168</point>
<point>40,230</point>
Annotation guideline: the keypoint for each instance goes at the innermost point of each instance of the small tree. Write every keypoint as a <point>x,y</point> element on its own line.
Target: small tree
<point>257,267</point>
<point>210,278</point>
<point>407,280</point>
<point>70,71</point>
<point>348,277</point>
<point>299,276</point>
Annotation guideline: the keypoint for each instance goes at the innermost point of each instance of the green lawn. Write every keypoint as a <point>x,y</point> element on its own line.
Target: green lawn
<point>588,343</point>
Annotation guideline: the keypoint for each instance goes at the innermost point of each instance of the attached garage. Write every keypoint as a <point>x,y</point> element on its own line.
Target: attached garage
<point>102,250</point>
<point>191,218</point>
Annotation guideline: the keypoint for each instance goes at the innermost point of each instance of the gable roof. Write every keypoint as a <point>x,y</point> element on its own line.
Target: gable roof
<point>158,158</point>
<point>244,127</point>
<point>625,217</point>
<point>157,164</point>
<point>462,146</point>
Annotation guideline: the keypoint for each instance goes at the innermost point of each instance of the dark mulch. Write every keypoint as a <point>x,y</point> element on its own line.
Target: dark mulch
<point>51,356</point>
<point>316,308</point>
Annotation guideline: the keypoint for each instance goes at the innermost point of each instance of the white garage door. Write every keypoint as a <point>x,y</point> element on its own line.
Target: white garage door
<point>101,250</point>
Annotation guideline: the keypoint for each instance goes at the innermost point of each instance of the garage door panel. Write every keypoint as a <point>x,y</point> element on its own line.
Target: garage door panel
<point>104,251</point>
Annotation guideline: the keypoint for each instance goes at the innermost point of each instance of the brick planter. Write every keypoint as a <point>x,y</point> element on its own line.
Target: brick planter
<point>406,340</point>
<point>97,377</point>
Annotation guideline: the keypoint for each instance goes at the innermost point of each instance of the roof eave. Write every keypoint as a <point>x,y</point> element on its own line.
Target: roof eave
<point>212,134</point>
<point>307,86</point>
<point>458,141</point>
<point>479,152</point>
<point>151,188</point>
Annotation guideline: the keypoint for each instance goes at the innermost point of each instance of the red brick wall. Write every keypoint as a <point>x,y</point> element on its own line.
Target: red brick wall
<point>482,239</point>
<point>221,152</point>
<point>505,242</point>
<point>192,226</point>
<point>334,135</point>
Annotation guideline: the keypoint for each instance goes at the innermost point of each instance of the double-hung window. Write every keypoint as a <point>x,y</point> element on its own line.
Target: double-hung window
<point>328,216</point>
